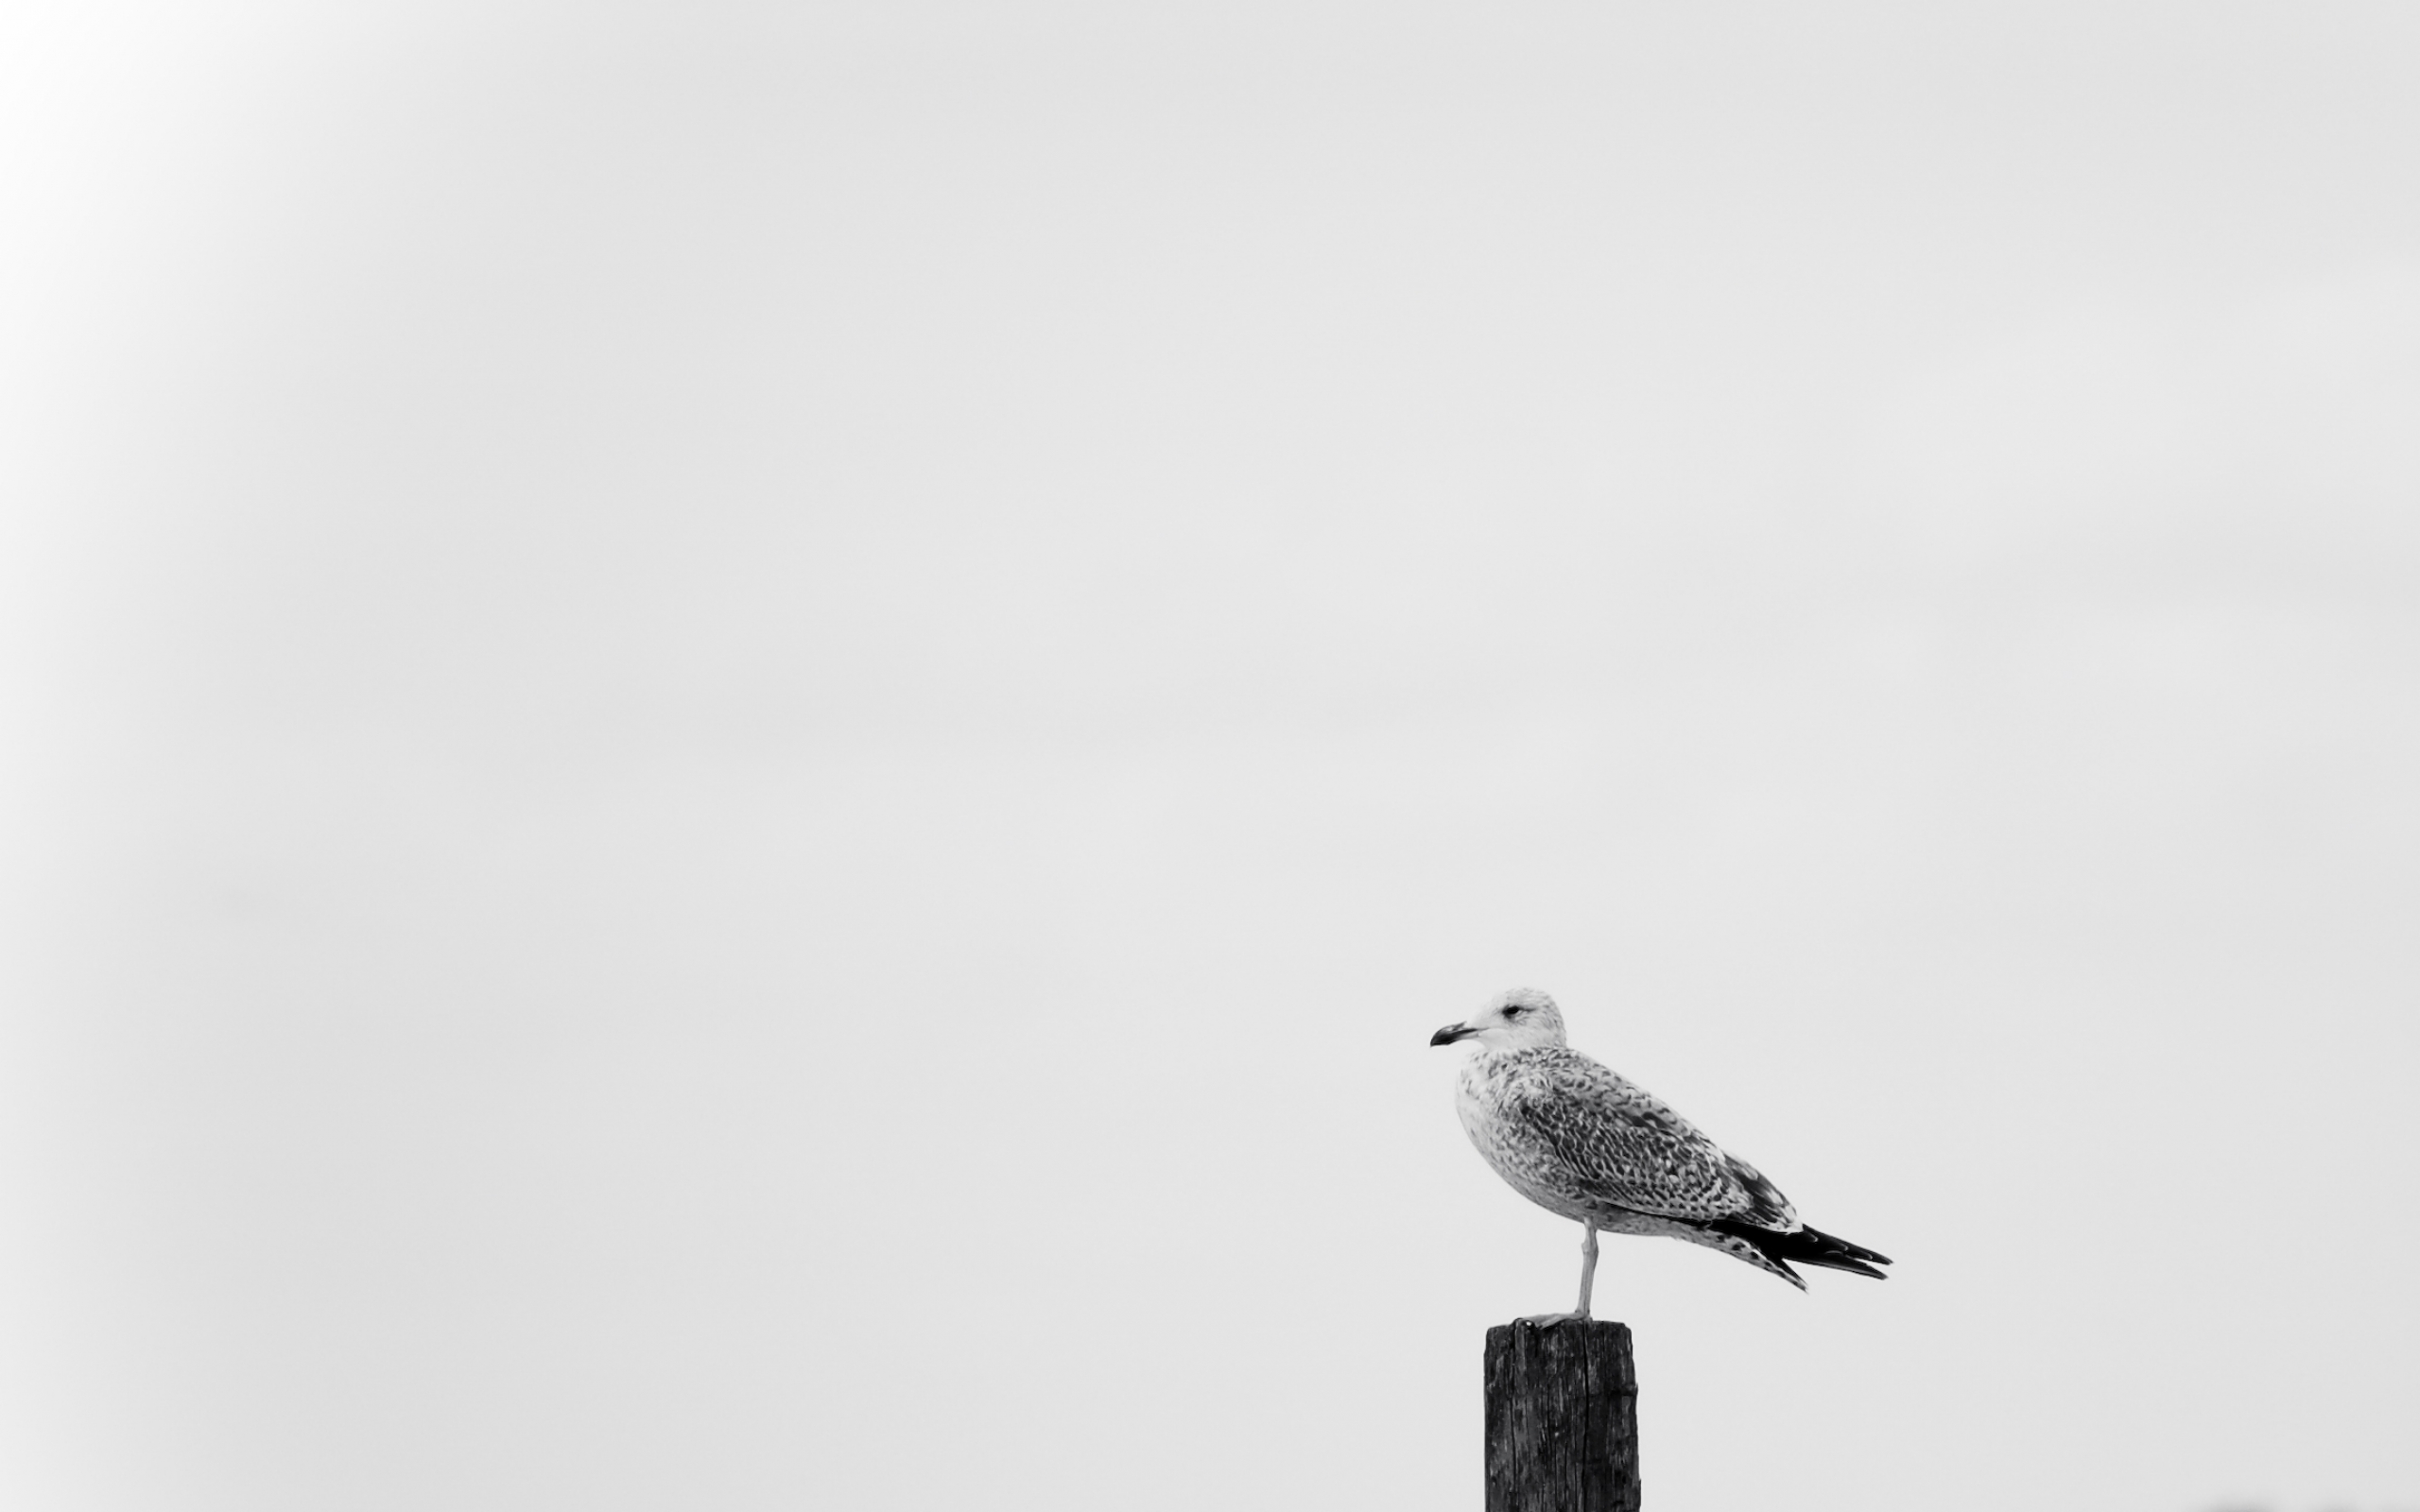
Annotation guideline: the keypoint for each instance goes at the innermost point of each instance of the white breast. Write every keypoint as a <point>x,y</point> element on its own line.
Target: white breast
<point>1528,1167</point>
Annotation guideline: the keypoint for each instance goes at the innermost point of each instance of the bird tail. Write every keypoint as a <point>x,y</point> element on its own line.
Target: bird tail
<point>1808,1246</point>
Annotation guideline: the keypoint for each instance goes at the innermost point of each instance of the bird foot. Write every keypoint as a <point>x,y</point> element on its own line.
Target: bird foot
<point>1547,1320</point>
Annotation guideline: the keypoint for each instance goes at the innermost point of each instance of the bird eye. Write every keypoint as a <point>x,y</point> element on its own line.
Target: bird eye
<point>1515,1009</point>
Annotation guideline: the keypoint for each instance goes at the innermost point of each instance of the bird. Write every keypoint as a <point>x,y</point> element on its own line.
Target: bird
<point>1580,1140</point>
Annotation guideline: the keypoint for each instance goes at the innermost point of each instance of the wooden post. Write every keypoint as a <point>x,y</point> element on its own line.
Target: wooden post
<point>1562,1418</point>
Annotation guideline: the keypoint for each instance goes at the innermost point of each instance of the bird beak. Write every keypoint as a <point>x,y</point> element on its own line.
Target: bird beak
<point>1451,1032</point>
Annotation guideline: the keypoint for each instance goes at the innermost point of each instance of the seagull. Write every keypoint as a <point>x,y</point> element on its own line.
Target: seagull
<point>1579,1141</point>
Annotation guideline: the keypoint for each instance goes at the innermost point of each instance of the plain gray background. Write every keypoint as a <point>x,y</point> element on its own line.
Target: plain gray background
<point>747,744</point>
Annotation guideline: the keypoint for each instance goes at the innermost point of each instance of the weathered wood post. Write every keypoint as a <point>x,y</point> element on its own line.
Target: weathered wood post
<point>1562,1418</point>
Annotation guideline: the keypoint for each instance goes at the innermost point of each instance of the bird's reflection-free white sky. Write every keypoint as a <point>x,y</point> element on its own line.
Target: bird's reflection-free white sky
<point>748,743</point>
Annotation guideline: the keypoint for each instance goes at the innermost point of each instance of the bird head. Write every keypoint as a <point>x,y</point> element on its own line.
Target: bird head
<point>1522,1019</point>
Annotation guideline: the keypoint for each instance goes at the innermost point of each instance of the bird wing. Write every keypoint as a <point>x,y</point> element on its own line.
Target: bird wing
<point>1616,1144</point>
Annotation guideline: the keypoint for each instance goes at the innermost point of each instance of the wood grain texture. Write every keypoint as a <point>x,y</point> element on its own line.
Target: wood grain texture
<point>1562,1418</point>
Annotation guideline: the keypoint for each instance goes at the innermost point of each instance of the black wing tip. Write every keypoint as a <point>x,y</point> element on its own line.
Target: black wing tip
<point>1835,1245</point>
<point>1808,1246</point>
<point>1854,1268</point>
<point>1832,1252</point>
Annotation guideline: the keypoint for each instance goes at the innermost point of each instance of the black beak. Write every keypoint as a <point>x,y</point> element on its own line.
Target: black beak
<point>1451,1032</point>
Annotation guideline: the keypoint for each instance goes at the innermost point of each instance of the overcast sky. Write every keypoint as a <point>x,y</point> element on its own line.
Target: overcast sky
<point>747,745</point>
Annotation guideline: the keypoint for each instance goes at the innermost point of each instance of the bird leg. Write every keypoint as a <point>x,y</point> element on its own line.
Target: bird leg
<point>1587,1285</point>
<point>1587,1269</point>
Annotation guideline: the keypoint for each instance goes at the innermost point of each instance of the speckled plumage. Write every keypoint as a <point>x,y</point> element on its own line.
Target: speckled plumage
<point>1581,1142</point>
